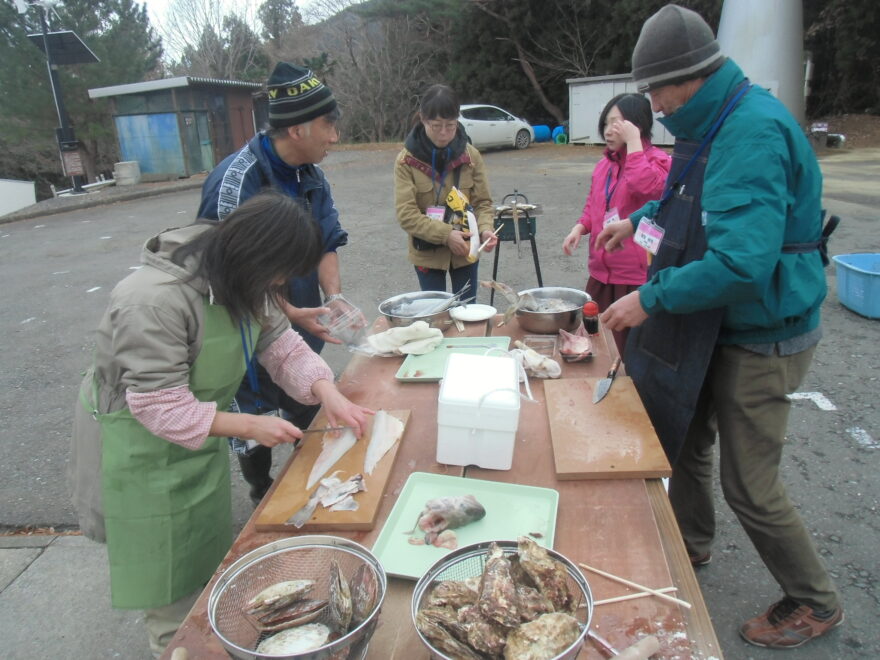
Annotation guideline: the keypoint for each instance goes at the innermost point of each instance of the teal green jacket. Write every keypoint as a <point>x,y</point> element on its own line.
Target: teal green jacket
<point>762,189</point>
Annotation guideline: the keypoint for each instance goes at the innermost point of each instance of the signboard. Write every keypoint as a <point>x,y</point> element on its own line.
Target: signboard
<point>72,164</point>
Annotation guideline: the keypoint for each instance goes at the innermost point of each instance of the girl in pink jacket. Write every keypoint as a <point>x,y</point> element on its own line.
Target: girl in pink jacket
<point>631,173</point>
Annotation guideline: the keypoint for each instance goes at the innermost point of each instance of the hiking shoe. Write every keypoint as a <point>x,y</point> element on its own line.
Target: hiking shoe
<point>787,624</point>
<point>700,560</point>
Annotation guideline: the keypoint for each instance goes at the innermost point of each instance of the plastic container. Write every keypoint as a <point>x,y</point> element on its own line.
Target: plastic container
<point>557,132</point>
<point>858,282</point>
<point>478,411</point>
<point>542,133</point>
<point>127,173</point>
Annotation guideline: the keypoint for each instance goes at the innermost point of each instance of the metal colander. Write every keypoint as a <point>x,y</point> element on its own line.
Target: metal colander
<point>470,561</point>
<point>295,558</point>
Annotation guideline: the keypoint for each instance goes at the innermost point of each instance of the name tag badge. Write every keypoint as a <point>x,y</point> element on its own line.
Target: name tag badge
<point>611,215</point>
<point>435,212</point>
<point>649,235</point>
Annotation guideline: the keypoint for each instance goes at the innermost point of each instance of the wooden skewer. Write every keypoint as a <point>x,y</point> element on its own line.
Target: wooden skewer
<point>641,594</point>
<point>634,585</point>
<point>486,242</point>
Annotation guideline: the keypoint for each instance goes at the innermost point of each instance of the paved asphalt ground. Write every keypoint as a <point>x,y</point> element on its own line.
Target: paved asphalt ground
<point>60,259</point>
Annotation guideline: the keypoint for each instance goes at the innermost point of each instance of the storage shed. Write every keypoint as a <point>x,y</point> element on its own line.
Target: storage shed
<point>587,97</point>
<point>180,126</point>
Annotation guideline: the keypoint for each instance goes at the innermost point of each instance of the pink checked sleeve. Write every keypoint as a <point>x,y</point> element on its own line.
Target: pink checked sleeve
<point>294,366</point>
<point>173,414</point>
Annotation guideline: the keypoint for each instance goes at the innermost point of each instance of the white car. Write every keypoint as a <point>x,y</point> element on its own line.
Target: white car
<point>490,126</point>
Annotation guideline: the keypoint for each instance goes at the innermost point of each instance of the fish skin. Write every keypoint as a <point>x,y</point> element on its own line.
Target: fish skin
<point>333,448</point>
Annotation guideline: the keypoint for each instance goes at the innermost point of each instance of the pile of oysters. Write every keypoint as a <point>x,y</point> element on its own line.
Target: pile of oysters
<point>520,608</point>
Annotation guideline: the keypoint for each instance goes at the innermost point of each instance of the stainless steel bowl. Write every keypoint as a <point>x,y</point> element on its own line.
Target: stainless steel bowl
<point>407,308</point>
<point>470,561</point>
<point>297,557</point>
<point>548,323</point>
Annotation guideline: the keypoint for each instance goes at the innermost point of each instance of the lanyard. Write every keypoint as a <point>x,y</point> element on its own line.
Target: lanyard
<point>248,346</point>
<point>437,177</point>
<point>743,88</point>
<point>609,192</point>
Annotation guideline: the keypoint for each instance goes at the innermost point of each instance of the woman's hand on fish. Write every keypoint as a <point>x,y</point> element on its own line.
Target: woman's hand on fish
<point>457,242</point>
<point>570,243</point>
<point>612,236</point>
<point>307,319</point>
<point>339,410</point>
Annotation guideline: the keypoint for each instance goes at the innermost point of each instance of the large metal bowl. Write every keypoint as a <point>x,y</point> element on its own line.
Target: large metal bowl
<point>469,562</point>
<point>407,308</point>
<point>549,323</point>
<point>294,558</point>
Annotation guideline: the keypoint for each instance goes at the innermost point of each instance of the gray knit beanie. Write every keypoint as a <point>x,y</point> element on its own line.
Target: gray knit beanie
<point>675,45</point>
<point>296,96</point>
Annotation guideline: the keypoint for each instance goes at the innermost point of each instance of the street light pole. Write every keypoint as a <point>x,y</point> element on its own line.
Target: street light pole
<point>64,135</point>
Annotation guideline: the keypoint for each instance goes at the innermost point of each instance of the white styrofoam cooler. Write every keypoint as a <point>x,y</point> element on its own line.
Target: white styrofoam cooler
<point>478,411</point>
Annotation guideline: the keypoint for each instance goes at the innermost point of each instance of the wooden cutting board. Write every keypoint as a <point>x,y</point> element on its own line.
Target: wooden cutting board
<point>289,493</point>
<point>612,439</point>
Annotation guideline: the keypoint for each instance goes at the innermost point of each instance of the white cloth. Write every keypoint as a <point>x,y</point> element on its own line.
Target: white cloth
<point>416,339</point>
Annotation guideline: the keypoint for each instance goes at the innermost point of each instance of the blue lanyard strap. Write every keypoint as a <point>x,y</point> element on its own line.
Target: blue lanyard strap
<point>743,88</point>
<point>248,345</point>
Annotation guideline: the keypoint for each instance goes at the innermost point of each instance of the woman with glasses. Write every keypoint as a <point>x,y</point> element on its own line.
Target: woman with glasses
<point>437,157</point>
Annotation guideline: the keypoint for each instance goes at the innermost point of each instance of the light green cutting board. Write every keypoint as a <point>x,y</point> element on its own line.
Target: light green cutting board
<point>431,366</point>
<point>511,511</point>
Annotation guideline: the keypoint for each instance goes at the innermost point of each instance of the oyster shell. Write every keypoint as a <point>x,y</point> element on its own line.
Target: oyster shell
<point>364,589</point>
<point>295,640</point>
<point>542,639</point>
<point>277,596</point>
<point>340,599</point>
<point>442,628</point>
<point>483,635</point>
<point>454,593</point>
<point>297,613</point>
<point>548,574</point>
<point>498,600</point>
<point>532,603</point>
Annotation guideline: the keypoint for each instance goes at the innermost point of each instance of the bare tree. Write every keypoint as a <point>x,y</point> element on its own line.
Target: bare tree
<point>207,40</point>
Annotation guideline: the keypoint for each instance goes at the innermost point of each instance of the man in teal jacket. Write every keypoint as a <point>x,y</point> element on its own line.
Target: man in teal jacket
<point>728,321</point>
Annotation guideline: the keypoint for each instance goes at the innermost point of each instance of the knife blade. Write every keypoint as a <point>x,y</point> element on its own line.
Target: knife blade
<point>604,385</point>
<point>327,429</point>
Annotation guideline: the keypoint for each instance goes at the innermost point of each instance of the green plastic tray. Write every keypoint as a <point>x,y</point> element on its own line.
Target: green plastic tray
<point>511,511</point>
<point>431,366</point>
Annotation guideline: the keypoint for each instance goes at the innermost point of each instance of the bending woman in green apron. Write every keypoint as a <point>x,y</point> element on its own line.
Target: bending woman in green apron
<point>149,461</point>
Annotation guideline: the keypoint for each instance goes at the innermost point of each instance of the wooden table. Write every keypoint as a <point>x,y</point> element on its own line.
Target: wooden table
<point>623,526</point>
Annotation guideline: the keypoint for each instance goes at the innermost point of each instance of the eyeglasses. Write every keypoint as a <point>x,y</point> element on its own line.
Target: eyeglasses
<point>442,126</point>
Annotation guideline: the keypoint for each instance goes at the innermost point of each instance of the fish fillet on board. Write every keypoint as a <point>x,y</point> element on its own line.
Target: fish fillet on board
<point>333,449</point>
<point>387,430</point>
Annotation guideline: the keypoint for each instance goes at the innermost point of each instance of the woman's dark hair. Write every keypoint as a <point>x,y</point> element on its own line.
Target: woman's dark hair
<point>635,108</point>
<point>269,238</point>
<point>439,102</point>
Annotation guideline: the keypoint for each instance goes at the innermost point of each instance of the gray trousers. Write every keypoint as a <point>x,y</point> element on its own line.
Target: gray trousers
<point>744,399</point>
<point>162,622</point>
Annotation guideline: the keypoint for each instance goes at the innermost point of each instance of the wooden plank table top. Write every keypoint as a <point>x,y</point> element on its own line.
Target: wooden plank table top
<point>623,526</point>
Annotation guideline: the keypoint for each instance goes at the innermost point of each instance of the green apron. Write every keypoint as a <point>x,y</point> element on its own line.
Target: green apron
<point>167,508</point>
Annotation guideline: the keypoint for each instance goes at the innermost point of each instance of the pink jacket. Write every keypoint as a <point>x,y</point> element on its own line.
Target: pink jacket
<point>634,180</point>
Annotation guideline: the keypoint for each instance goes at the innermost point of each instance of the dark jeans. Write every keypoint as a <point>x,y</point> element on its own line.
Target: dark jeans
<point>434,279</point>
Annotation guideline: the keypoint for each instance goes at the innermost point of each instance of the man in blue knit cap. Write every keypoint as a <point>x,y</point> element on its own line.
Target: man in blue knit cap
<point>302,128</point>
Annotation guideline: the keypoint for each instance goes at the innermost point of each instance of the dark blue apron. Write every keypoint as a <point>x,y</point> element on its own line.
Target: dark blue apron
<point>668,355</point>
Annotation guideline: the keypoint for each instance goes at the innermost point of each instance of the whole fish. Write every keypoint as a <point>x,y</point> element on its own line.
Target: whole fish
<point>449,512</point>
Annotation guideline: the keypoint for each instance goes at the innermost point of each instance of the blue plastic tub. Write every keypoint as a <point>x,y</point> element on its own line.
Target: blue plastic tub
<point>542,133</point>
<point>858,282</point>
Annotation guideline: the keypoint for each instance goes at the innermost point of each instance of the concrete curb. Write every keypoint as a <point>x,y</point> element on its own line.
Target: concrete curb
<point>102,197</point>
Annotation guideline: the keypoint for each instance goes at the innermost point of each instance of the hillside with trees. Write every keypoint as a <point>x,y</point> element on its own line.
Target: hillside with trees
<point>377,55</point>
